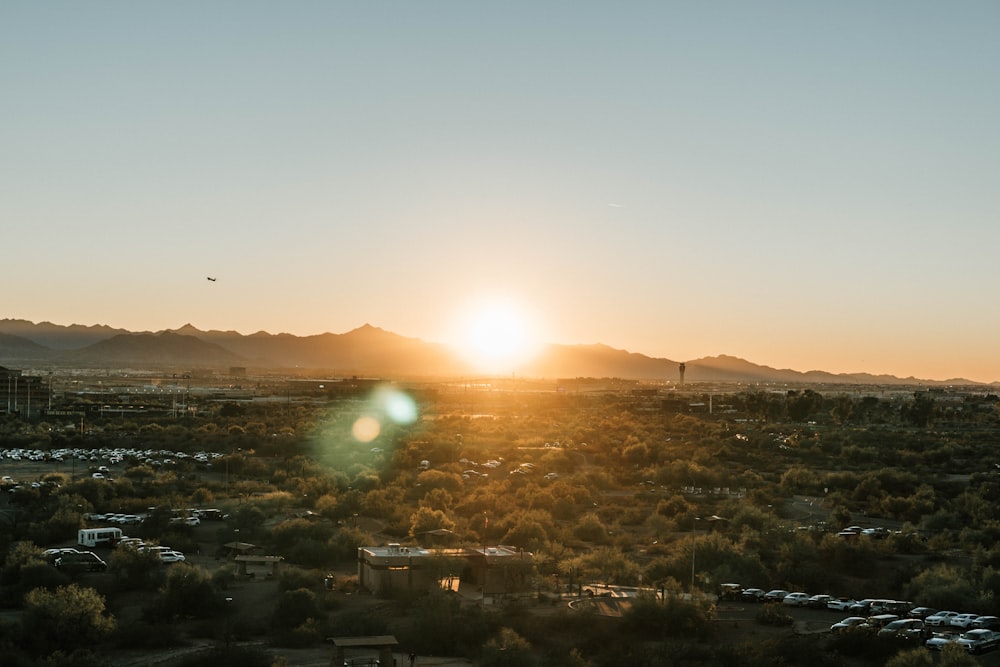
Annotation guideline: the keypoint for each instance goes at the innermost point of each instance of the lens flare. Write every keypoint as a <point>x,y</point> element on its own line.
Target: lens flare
<point>366,429</point>
<point>397,405</point>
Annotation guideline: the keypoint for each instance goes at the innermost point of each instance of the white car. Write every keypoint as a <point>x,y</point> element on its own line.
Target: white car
<point>171,556</point>
<point>840,604</point>
<point>940,619</point>
<point>940,640</point>
<point>963,620</point>
<point>796,599</point>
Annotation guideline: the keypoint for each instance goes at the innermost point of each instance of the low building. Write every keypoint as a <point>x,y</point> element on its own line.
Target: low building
<point>488,570</point>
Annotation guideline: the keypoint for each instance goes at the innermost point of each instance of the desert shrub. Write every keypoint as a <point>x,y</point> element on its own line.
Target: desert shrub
<point>352,623</point>
<point>441,626</point>
<point>224,577</point>
<point>591,529</point>
<point>295,608</point>
<point>310,552</point>
<point>650,619</point>
<point>67,618</point>
<point>507,649</point>
<point>134,569</point>
<point>292,578</point>
<point>308,634</point>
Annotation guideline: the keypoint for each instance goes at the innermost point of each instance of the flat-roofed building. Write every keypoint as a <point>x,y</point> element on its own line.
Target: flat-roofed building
<point>490,570</point>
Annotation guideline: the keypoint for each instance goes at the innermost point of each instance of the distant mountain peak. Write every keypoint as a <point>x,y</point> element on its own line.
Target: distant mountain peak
<point>373,350</point>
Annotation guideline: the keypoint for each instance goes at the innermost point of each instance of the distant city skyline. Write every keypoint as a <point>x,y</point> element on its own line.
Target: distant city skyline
<point>802,185</point>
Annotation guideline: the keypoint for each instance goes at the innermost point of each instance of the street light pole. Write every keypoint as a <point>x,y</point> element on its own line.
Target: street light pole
<point>229,615</point>
<point>694,533</point>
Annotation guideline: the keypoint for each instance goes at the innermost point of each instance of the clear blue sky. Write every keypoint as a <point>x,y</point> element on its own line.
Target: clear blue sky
<point>806,185</point>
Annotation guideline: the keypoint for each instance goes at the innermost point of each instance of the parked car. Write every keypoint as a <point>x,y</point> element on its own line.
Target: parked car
<point>775,595</point>
<point>81,561</point>
<point>884,606</point>
<point>840,604</point>
<point>901,607</point>
<point>963,621</point>
<point>921,612</point>
<point>752,594</point>
<point>730,591</point>
<point>979,640</point>
<point>818,601</point>
<point>51,555</point>
<point>905,628</point>
<point>941,619</point>
<point>131,543</point>
<point>171,556</point>
<point>186,520</point>
<point>849,624</point>
<point>863,606</point>
<point>987,622</point>
<point>940,639</point>
<point>876,533</point>
<point>796,599</point>
<point>879,621</point>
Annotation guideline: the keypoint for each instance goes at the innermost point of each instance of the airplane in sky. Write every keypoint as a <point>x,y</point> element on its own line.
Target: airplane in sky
<point>211,278</point>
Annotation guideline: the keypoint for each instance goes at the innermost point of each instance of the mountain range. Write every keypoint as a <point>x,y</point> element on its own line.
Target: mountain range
<point>368,351</point>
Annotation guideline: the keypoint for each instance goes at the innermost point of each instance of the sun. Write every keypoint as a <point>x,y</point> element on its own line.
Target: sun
<point>497,336</point>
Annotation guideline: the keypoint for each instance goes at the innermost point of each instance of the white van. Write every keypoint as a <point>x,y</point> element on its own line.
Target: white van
<point>99,537</point>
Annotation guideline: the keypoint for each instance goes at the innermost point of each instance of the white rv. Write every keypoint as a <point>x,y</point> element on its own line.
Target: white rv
<point>99,537</point>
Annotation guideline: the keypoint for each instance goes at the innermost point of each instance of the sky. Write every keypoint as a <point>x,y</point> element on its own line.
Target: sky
<point>802,184</point>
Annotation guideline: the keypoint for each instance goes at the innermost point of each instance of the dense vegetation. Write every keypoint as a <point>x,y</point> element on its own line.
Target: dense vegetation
<point>626,487</point>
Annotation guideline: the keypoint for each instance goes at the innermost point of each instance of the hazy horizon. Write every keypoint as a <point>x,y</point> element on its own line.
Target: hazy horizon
<point>802,185</point>
<point>526,362</point>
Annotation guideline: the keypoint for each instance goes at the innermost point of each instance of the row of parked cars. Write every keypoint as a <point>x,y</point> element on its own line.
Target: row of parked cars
<point>867,606</point>
<point>193,517</point>
<point>977,640</point>
<point>898,619</point>
<point>71,559</point>
<point>975,633</point>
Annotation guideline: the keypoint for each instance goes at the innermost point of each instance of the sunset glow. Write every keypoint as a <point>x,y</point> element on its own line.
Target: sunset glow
<point>497,336</point>
<point>785,178</point>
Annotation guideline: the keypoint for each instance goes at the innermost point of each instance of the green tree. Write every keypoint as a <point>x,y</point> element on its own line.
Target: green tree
<point>675,617</point>
<point>917,657</point>
<point>425,520</point>
<point>136,569</point>
<point>507,649</point>
<point>67,618</point>
<point>942,586</point>
<point>953,655</point>
<point>188,591</point>
<point>295,608</point>
<point>590,528</point>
